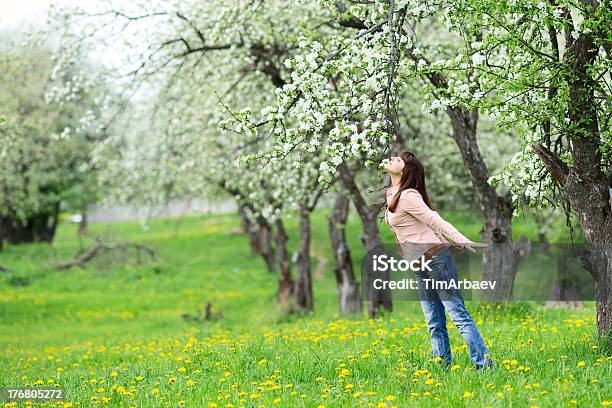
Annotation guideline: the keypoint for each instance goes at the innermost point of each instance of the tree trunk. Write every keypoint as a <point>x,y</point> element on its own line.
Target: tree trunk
<point>500,260</point>
<point>285,282</point>
<point>2,221</point>
<point>598,261</point>
<point>37,228</point>
<point>348,288</point>
<point>266,248</point>
<point>18,232</point>
<point>566,291</point>
<point>370,237</point>
<point>260,237</point>
<point>603,302</point>
<point>584,184</point>
<point>52,227</point>
<point>303,282</point>
<point>83,224</point>
<point>248,228</point>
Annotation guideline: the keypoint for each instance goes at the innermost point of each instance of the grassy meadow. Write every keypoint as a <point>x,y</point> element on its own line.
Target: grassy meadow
<point>115,333</point>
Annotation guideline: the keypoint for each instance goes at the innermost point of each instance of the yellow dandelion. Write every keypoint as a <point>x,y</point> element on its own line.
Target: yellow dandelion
<point>581,364</point>
<point>467,394</point>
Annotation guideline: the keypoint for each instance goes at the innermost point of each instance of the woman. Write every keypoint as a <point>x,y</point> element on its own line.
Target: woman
<point>420,230</point>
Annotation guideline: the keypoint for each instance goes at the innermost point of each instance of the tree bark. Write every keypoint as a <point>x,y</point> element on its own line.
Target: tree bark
<point>285,282</point>
<point>348,288</point>
<point>247,228</point>
<point>370,237</point>
<point>260,237</point>
<point>83,224</point>
<point>598,261</point>
<point>500,260</point>
<point>264,242</point>
<point>2,221</point>
<point>303,282</point>
<point>39,227</point>
<point>583,184</point>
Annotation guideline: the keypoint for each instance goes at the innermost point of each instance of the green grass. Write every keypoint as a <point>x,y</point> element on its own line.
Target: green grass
<point>112,334</point>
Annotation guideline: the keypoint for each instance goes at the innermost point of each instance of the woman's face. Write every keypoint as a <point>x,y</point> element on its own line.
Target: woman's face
<point>395,165</point>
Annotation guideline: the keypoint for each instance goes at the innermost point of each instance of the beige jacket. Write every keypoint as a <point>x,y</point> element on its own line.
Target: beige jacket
<point>414,222</point>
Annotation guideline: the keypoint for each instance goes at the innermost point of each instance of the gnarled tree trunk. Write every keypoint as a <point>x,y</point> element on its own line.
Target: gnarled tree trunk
<point>285,282</point>
<point>39,227</point>
<point>584,184</point>
<point>348,288</point>
<point>303,282</point>
<point>260,237</point>
<point>370,237</point>
<point>500,260</point>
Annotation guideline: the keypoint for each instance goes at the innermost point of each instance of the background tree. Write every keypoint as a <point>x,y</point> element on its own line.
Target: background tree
<point>45,147</point>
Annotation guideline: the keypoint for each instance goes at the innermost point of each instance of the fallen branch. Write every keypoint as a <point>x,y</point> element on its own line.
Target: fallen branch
<point>100,247</point>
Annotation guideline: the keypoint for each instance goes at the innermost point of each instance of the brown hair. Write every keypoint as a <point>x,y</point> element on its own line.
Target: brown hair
<point>413,176</point>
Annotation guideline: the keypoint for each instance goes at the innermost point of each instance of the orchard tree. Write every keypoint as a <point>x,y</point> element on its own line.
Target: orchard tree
<point>544,70</point>
<point>45,147</point>
<point>165,160</point>
<point>182,39</point>
<point>352,82</point>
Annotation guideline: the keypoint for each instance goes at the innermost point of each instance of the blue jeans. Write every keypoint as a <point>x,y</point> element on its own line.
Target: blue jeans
<point>435,301</point>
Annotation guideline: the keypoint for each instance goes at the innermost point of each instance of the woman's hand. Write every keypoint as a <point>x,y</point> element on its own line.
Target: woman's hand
<point>473,245</point>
